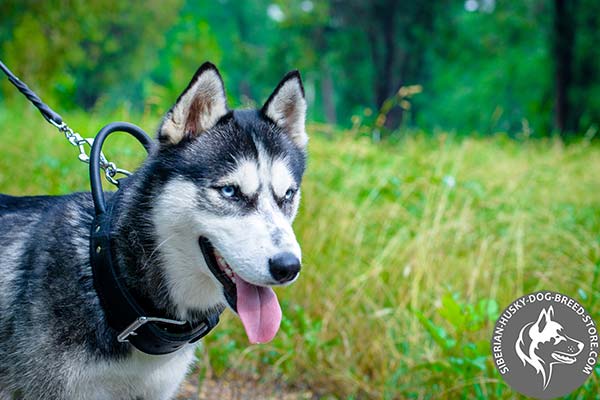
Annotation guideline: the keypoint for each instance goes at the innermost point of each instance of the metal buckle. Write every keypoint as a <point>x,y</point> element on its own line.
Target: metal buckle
<point>135,325</point>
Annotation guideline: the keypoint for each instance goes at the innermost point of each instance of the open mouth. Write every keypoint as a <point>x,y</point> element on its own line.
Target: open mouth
<point>224,275</point>
<point>257,306</point>
<point>563,358</point>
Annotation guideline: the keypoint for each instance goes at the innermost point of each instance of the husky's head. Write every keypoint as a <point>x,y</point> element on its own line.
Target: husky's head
<point>230,191</point>
<point>544,343</point>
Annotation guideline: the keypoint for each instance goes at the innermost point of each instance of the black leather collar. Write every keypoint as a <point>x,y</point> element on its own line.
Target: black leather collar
<point>140,326</point>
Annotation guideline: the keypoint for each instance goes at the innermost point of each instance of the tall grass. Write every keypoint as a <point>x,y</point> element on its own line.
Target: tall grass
<point>410,252</point>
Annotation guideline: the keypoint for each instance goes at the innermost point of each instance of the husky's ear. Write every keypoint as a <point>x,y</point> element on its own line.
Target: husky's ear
<point>197,109</point>
<point>287,108</point>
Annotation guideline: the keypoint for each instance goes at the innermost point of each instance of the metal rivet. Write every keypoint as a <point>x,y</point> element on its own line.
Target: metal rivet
<point>98,249</point>
<point>98,228</point>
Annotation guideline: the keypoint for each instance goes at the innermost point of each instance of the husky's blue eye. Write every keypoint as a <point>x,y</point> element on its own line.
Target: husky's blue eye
<point>228,191</point>
<point>289,194</point>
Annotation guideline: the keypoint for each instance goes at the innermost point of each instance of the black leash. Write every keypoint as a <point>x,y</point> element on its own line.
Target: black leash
<point>49,114</point>
<point>132,322</point>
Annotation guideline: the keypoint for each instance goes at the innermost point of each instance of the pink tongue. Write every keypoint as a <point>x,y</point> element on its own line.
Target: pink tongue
<point>259,311</point>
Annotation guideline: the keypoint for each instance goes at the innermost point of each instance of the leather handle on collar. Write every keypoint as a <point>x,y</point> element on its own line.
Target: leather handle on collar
<point>95,181</point>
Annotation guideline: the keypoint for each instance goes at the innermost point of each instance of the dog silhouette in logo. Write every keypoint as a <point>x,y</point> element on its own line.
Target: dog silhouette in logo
<point>544,343</point>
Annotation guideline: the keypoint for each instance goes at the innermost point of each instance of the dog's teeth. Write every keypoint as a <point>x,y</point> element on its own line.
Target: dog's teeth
<point>225,267</point>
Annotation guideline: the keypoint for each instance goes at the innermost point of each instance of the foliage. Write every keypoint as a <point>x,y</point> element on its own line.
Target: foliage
<point>80,51</point>
<point>501,55</point>
<point>463,352</point>
<point>484,65</point>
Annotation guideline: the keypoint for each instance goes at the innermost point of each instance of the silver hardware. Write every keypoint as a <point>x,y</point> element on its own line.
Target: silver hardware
<point>110,168</point>
<point>135,325</point>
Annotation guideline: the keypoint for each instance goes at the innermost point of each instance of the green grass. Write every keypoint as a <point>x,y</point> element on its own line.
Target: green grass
<point>411,250</point>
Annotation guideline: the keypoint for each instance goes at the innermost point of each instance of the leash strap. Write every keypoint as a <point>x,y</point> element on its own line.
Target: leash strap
<point>49,114</point>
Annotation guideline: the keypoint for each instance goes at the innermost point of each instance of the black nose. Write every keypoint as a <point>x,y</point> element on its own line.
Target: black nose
<point>284,267</point>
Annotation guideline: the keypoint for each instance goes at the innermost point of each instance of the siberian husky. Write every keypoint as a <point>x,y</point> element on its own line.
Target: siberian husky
<point>204,224</point>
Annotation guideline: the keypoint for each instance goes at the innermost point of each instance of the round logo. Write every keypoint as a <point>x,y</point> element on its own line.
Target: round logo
<point>545,345</point>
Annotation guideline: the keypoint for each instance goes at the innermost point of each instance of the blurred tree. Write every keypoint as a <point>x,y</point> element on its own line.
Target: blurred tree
<point>563,43</point>
<point>311,51</point>
<point>584,94</point>
<point>521,67</point>
<point>191,40</point>
<point>88,49</point>
<point>240,35</point>
<point>398,37</point>
<point>491,69</point>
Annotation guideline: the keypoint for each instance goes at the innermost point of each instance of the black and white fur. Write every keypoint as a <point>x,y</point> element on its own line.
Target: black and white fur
<point>230,176</point>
